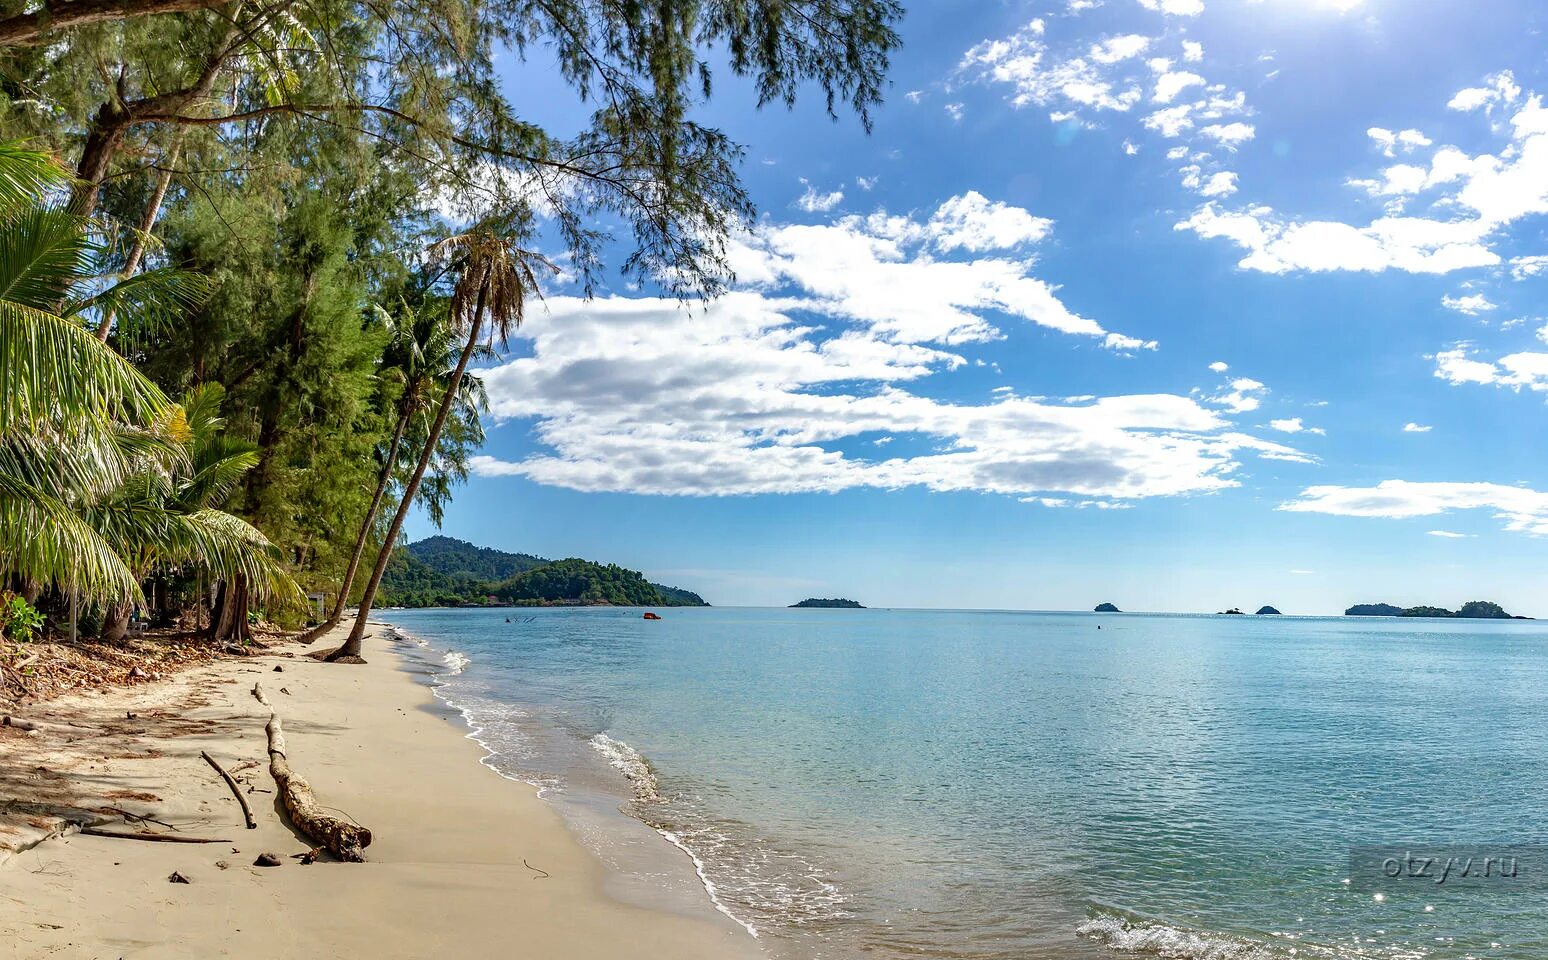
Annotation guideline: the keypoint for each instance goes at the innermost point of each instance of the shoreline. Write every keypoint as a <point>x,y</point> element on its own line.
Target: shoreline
<point>464,864</point>
<point>606,829</point>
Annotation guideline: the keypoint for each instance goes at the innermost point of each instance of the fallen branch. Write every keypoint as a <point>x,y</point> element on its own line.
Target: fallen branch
<point>247,812</point>
<point>259,695</point>
<point>153,837</point>
<point>343,840</point>
<point>40,726</point>
<point>138,818</point>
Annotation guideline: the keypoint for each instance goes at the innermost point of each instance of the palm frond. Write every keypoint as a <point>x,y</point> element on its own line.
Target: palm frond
<point>44,540</point>
<point>26,175</point>
<point>146,303</point>
<point>51,369</point>
<point>44,251</point>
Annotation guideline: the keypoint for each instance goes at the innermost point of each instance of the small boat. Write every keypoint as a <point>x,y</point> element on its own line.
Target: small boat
<point>651,616</point>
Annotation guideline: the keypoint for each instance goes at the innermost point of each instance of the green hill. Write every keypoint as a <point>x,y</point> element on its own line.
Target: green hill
<point>447,572</point>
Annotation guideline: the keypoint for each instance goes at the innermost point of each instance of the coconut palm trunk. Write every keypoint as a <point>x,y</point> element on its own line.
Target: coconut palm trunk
<point>366,523</point>
<point>350,651</point>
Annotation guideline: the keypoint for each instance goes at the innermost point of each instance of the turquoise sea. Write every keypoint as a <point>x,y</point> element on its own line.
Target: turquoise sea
<point>915,784</point>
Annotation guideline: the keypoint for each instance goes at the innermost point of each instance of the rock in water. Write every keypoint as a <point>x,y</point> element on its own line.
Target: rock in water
<point>1107,608</point>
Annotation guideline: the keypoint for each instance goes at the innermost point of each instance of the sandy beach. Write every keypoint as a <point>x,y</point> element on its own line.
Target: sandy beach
<point>464,863</point>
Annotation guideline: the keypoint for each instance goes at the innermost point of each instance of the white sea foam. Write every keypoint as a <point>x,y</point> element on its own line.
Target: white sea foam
<point>1159,939</point>
<point>635,768</point>
<point>456,661</point>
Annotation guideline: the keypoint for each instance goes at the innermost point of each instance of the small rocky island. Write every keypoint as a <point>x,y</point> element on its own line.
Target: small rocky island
<point>1233,612</point>
<point>1107,608</point>
<point>836,603</point>
<point>1472,610</point>
<point>1267,611</point>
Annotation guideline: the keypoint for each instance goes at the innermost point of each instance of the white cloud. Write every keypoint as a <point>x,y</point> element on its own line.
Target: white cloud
<point>1411,427</point>
<point>1294,425</point>
<point>1180,8</point>
<point>1229,135</point>
<point>1130,147</point>
<point>914,96</point>
<point>1449,535</point>
<point>1222,184</point>
<point>747,395</point>
<point>1243,396</point>
<point>813,202</point>
<point>954,111</point>
<point>865,183</point>
<point>1220,366</point>
<point>1472,304</point>
<point>1517,370</point>
<point>1275,245</point>
<point>1478,196</point>
<point>1124,47</point>
<point>1023,62</point>
<point>1172,83</point>
<point>1523,510</point>
<point>1523,267</point>
<point>973,222</point>
<point>1499,89</point>
<point>1403,141</point>
<point>1193,51</point>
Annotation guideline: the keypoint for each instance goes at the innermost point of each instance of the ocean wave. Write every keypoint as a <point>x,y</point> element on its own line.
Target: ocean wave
<point>635,768</point>
<point>456,661</point>
<point>1176,943</point>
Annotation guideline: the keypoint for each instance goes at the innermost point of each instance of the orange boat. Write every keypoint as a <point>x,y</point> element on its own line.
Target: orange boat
<point>652,616</point>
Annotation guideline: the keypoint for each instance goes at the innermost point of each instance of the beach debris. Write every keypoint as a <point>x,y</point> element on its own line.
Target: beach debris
<point>535,870</point>
<point>178,878</point>
<point>278,668</point>
<point>343,840</point>
<point>259,695</point>
<point>222,864</point>
<point>267,860</point>
<point>247,811</point>
<point>135,673</point>
<point>285,691</point>
<point>147,835</point>
<point>137,817</point>
<point>308,856</point>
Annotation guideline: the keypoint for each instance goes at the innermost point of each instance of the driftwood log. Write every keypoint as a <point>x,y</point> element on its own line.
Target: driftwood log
<point>340,838</point>
<point>258,695</point>
<point>247,812</point>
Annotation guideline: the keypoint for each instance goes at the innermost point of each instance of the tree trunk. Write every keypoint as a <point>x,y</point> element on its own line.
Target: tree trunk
<point>115,623</point>
<point>366,523</point>
<point>102,142</point>
<point>228,621</point>
<point>351,647</point>
<point>31,28</point>
<point>147,221</point>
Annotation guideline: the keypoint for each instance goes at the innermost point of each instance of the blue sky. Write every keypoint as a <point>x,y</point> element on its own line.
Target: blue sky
<point>1182,304</point>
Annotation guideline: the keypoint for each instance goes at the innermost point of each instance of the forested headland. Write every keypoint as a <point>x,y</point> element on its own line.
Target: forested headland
<point>254,255</point>
<point>446,572</point>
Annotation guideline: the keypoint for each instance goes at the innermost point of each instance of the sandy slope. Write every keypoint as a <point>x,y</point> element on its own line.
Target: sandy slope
<point>445,876</point>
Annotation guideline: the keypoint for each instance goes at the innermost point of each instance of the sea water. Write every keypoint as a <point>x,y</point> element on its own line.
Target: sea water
<point>905,784</point>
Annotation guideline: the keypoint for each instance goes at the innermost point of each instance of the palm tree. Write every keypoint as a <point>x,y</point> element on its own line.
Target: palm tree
<point>493,279</point>
<point>101,475</point>
<point>422,351</point>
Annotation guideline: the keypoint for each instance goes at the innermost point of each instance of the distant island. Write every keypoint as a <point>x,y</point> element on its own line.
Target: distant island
<point>1107,608</point>
<point>447,572</point>
<point>1267,611</point>
<point>839,604</point>
<point>1472,610</point>
<point>1234,612</point>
